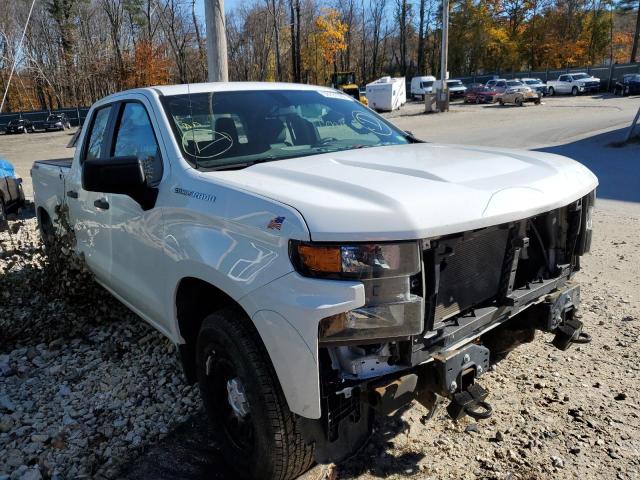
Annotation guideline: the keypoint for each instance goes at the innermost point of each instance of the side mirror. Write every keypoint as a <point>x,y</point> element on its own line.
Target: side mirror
<point>120,175</point>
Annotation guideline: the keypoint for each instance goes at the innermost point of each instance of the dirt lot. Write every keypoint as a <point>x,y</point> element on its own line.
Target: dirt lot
<point>88,391</point>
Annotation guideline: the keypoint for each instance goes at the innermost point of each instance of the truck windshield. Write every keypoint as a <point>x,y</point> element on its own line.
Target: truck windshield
<point>217,130</point>
<point>579,76</point>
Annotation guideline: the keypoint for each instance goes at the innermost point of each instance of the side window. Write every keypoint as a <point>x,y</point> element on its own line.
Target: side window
<point>97,133</point>
<point>135,138</point>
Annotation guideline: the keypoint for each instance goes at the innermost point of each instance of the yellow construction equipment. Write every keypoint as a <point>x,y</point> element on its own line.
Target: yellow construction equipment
<point>346,81</point>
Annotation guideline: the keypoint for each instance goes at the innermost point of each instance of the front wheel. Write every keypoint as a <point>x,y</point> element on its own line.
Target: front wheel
<point>258,434</point>
<point>519,102</point>
<point>501,102</point>
<point>552,91</point>
<point>574,91</point>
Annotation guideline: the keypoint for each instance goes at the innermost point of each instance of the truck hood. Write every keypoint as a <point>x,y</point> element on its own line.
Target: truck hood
<point>588,80</point>
<point>415,191</point>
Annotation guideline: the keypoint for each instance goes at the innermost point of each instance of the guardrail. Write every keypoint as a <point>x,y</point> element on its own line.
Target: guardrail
<point>608,74</point>
<point>75,115</point>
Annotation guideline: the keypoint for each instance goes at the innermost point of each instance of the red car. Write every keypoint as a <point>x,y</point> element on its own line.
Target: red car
<point>480,94</point>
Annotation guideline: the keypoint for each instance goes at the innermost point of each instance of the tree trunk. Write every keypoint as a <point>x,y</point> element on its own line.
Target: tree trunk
<point>276,33</point>
<point>421,38</point>
<point>636,37</point>
<point>202,55</point>
<point>298,55</point>
<point>292,28</point>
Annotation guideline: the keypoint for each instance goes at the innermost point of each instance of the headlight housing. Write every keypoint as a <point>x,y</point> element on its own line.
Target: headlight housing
<point>390,273</point>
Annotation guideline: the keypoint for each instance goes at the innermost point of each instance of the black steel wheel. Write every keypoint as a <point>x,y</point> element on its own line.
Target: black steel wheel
<point>258,434</point>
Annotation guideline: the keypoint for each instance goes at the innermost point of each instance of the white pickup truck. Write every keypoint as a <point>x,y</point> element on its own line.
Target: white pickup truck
<point>574,84</point>
<point>313,263</point>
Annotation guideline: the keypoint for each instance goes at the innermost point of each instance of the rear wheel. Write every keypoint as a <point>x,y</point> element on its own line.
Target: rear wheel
<point>258,434</point>
<point>3,216</point>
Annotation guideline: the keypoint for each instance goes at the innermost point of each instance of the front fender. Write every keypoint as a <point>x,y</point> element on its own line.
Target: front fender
<point>286,313</point>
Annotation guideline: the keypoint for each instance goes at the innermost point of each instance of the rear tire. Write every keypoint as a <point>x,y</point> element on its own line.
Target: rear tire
<point>3,216</point>
<point>263,440</point>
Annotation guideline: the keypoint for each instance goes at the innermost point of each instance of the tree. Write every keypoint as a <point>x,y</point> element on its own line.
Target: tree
<point>331,38</point>
<point>629,6</point>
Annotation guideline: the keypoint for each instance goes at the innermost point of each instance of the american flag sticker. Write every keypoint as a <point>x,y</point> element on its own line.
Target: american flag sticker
<point>276,223</point>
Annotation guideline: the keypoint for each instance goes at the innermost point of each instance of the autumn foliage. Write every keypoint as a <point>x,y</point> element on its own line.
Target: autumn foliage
<point>77,51</point>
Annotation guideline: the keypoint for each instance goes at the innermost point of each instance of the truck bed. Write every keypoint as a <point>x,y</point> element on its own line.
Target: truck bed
<point>56,162</point>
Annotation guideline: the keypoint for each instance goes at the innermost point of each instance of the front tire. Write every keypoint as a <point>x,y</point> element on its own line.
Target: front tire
<point>258,434</point>
<point>574,91</point>
<point>552,91</point>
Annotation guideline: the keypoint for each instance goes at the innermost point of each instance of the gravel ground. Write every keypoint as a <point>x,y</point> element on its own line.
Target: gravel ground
<point>86,387</point>
<point>84,383</point>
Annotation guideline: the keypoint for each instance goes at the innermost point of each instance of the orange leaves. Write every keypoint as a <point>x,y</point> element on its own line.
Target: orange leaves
<point>147,66</point>
<point>332,32</point>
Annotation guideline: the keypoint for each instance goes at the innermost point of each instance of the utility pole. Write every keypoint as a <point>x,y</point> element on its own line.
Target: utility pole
<point>442,98</point>
<point>216,41</point>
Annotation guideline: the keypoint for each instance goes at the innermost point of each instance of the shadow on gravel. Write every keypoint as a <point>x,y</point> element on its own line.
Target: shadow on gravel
<point>374,458</point>
<point>187,453</point>
<point>617,168</point>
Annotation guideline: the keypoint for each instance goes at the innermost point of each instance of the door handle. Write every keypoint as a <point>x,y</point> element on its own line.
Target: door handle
<point>102,204</point>
<point>72,194</point>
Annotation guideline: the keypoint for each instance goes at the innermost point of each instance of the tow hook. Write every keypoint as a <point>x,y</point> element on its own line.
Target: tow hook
<point>570,331</point>
<point>472,402</point>
<point>559,316</point>
<point>458,370</point>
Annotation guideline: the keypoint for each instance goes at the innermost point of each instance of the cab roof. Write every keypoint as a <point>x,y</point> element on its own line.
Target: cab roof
<point>183,89</point>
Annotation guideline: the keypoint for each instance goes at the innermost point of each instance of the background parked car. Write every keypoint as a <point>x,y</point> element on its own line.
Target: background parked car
<point>518,93</point>
<point>536,85</point>
<point>456,89</point>
<point>19,126</point>
<point>492,83</point>
<point>56,121</point>
<point>11,194</point>
<point>480,94</point>
<point>574,83</point>
<point>629,85</point>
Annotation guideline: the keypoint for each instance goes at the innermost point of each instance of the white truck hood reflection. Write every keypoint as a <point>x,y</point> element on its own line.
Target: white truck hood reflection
<point>415,191</point>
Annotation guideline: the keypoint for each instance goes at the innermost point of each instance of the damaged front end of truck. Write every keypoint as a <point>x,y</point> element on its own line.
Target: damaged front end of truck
<point>439,312</point>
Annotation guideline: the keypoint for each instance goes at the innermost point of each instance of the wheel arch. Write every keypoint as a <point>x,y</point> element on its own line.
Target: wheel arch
<point>194,300</point>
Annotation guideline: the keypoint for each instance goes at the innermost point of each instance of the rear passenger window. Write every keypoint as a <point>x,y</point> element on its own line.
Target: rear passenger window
<point>97,133</point>
<point>135,138</point>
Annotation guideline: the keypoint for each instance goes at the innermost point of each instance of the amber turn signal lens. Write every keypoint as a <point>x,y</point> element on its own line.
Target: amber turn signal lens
<point>320,259</point>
